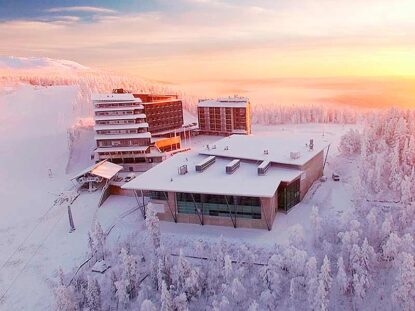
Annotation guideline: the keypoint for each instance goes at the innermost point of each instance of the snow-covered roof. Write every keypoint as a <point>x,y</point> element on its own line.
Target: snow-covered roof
<point>121,117</point>
<point>123,136</point>
<point>213,180</point>
<point>233,102</point>
<point>167,100</point>
<point>102,127</point>
<point>114,97</point>
<point>129,108</point>
<point>275,149</point>
<point>103,169</point>
<point>122,149</point>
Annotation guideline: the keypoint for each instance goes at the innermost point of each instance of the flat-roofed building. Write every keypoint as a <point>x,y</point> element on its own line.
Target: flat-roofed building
<point>224,116</point>
<point>239,181</point>
<point>121,130</point>
<point>164,112</point>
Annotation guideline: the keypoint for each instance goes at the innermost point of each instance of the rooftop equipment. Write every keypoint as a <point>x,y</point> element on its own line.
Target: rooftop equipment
<point>233,166</point>
<point>266,151</point>
<point>205,164</point>
<point>263,167</point>
<point>311,144</point>
<point>295,155</point>
<point>182,169</point>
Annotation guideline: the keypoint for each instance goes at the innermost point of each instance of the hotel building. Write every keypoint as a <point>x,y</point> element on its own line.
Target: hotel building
<point>164,112</point>
<point>122,132</point>
<point>240,181</point>
<point>224,116</point>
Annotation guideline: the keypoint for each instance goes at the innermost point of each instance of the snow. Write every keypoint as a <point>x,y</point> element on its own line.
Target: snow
<point>122,149</point>
<point>103,169</point>
<point>34,230</point>
<point>123,136</point>
<point>228,102</point>
<point>213,180</point>
<point>275,148</point>
<point>119,108</point>
<point>114,98</point>
<point>11,62</point>
<point>101,127</point>
<point>122,117</point>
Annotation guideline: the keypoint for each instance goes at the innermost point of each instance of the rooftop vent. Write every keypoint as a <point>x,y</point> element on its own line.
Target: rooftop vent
<point>226,148</point>
<point>205,164</point>
<point>311,145</point>
<point>232,166</point>
<point>182,170</point>
<point>295,155</point>
<point>263,167</point>
<point>266,151</point>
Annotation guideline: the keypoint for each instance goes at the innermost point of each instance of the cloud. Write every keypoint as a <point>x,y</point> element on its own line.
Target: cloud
<point>84,9</point>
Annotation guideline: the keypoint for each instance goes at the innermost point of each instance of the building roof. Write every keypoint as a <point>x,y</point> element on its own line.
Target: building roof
<point>229,102</point>
<point>122,149</point>
<point>129,108</point>
<point>103,169</point>
<point>123,136</point>
<point>279,148</point>
<point>102,127</point>
<point>115,97</point>
<point>161,101</point>
<point>213,180</point>
<point>121,117</point>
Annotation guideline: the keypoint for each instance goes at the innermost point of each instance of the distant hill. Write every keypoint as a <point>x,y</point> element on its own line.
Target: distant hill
<point>43,63</point>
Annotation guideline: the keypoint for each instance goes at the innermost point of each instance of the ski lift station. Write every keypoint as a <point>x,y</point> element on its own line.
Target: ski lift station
<point>98,176</point>
<point>240,181</point>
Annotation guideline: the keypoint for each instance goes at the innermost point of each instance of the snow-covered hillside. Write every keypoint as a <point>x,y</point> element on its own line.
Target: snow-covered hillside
<point>38,63</point>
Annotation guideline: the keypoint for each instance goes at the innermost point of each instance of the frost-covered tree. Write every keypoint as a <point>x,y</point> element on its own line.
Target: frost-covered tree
<point>153,226</point>
<point>122,292</point>
<point>341,277</point>
<point>97,241</point>
<point>147,305</point>
<point>325,274</point>
<point>66,299</point>
<point>312,279</point>
<point>93,294</point>
<point>166,298</point>
<point>316,223</point>
<point>350,143</point>
<point>391,248</point>
<point>129,272</point>
<point>180,302</point>
<point>404,288</point>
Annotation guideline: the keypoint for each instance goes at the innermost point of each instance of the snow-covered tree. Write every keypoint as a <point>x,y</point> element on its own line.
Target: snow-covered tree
<point>122,292</point>
<point>341,277</point>
<point>316,223</point>
<point>66,299</point>
<point>404,288</point>
<point>97,241</point>
<point>147,305</point>
<point>391,248</point>
<point>93,294</point>
<point>166,298</point>
<point>312,279</point>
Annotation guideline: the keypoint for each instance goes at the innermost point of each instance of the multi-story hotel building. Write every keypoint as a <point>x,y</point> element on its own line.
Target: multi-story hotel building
<point>239,181</point>
<point>224,116</point>
<point>164,112</point>
<point>121,129</point>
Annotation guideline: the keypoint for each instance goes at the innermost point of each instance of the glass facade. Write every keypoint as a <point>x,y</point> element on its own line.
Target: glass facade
<point>219,205</point>
<point>158,195</point>
<point>289,195</point>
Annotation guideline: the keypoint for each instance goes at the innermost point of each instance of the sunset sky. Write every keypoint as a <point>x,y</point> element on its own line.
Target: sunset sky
<point>196,40</point>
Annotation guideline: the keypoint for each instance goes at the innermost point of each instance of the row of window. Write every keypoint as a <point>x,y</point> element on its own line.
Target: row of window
<point>128,131</point>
